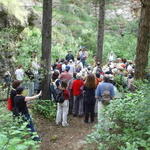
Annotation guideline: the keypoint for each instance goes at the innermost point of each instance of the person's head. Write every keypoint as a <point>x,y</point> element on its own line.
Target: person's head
<point>106,79</point>
<point>98,64</point>
<point>57,60</point>
<point>65,62</point>
<point>58,82</point>
<point>67,68</point>
<point>78,76</point>
<point>19,66</point>
<point>74,75</point>
<point>78,58</point>
<point>19,90</point>
<point>55,75</point>
<point>16,84</point>
<point>62,60</point>
<point>97,75</point>
<point>90,81</point>
<point>63,84</point>
<point>70,61</point>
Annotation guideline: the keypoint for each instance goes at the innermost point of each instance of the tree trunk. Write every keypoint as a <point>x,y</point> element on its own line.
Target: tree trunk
<point>143,42</point>
<point>46,48</point>
<point>100,37</point>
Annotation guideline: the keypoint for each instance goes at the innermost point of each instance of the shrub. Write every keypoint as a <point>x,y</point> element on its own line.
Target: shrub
<point>127,125</point>
<point>45,107</point>
<point>14,136</point>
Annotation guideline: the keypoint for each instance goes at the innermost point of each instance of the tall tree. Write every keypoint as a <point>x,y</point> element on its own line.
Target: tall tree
<point>100,36</point>
<point>143,42</point>
<point>46,47</point>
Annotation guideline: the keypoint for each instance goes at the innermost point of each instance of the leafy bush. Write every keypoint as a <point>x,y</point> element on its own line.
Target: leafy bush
<point>45,107</point>
<point>125,124</point>
<point>14,136</point>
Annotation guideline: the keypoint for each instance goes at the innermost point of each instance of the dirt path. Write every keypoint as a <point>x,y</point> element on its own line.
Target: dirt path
<point>62,138</point>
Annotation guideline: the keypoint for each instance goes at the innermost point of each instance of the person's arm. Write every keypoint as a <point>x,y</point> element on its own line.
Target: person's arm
<point>97,92</point>
<point>112,92</point>
<point>33,97</point>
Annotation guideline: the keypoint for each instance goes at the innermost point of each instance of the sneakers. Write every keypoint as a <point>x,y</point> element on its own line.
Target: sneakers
<point>65,124</point>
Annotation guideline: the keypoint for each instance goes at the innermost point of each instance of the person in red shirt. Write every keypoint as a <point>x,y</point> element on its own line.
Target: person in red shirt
<point>77,89</point>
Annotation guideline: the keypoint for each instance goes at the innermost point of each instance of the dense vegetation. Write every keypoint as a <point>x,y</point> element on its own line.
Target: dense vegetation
<point>74,24</point>
<point>13,134</point>
<point>125,122</point>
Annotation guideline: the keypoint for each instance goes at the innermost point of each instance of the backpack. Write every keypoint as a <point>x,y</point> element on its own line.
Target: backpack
<point>59,96</point>
<point>106,97</point>
<point>9,104</point>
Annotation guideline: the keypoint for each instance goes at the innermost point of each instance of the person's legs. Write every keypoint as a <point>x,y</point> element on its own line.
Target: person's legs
<point>80,105</point>
<point>59,113</point>
<point>30,123</point>
<point>71,105</point>
<point>100,110</point>
<point>65,112</point>
<point>86,120</point>
<point>86,117</point>
<point>92,114</point>
<point>76,105</point>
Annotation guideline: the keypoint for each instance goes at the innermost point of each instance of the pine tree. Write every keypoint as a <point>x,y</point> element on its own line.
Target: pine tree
<point>46,48</point>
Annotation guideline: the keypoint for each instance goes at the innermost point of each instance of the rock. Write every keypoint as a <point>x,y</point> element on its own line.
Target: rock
<point>18,14</point>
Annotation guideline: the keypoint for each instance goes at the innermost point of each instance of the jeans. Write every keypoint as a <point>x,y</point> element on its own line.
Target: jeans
<point>27,118</point>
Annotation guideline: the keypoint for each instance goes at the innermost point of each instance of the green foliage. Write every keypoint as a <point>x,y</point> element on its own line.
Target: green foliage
<point>125,124</point>
<point>13,135</point>
<point>46,107</point>
<point>123,46</point>
<point>31,42</point>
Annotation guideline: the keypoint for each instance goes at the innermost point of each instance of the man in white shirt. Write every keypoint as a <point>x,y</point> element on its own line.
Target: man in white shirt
<point>19,73</point>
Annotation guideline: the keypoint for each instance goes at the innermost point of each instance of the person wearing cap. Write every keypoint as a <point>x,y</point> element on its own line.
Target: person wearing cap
<point>77,90</point>
<point>69,56</point>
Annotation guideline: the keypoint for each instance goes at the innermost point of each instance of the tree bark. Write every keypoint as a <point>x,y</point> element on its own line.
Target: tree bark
<point>46,48</point>
<point>100,37</point>
<point>143,42</point>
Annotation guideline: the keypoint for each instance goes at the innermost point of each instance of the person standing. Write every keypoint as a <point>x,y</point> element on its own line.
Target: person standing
<point>83,56</point>
<point>104,91</point>
<point>69,56</point>
<point>21,109</point>
<point>19,73</point>
<point>77,89</point>
<point>62,108</point>
<point>89,98</point>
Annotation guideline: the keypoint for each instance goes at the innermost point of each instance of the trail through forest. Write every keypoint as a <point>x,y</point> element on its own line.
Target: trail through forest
<point>63,138</point>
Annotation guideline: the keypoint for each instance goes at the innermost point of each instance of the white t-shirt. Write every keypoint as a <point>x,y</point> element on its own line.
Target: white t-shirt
<point>63,67</point>
<point>19,74</point>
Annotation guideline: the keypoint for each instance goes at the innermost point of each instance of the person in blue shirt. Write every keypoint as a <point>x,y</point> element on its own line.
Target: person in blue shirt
<point>99,92</point>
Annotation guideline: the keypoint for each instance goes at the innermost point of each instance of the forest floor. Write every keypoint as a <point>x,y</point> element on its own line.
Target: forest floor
<point>63,138</point>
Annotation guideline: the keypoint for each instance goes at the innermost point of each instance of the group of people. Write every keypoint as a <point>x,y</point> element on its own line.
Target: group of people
<point>85,87</point>
<point>78,89</point>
